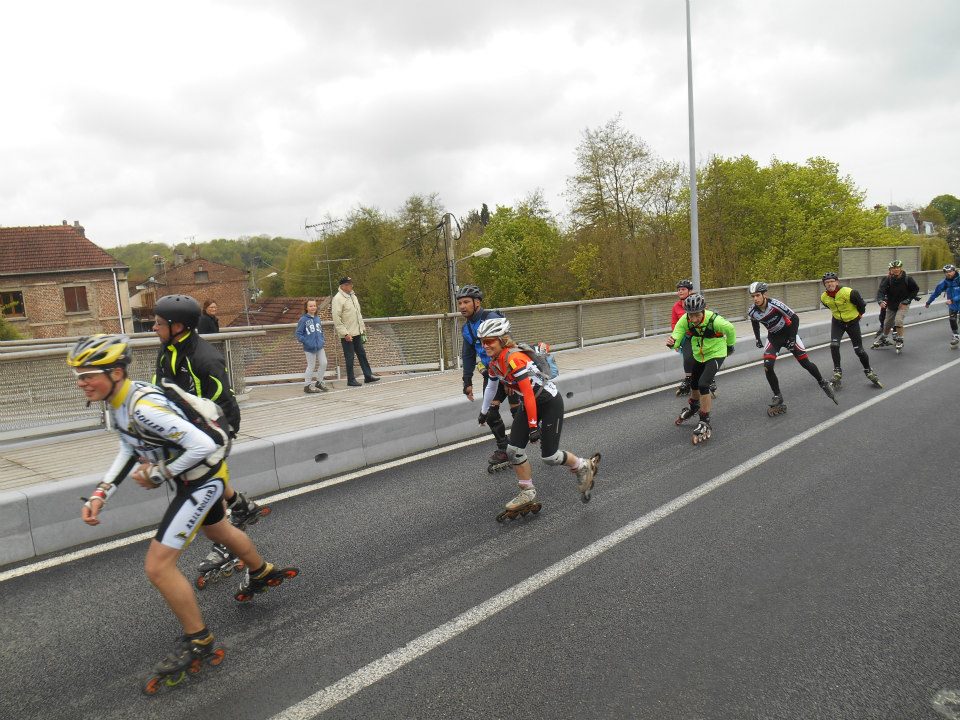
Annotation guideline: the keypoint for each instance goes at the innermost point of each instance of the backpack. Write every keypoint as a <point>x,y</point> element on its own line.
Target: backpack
<point>542,357</point>
<point>203,413</point>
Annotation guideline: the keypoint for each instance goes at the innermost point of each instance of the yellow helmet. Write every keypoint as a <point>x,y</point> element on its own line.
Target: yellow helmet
<point>102,351</point>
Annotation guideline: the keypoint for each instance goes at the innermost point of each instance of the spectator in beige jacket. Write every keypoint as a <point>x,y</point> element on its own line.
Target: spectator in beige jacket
<point>348,321</point>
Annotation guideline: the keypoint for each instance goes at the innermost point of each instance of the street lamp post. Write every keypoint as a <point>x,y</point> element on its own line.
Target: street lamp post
<point>694,229</point>
<point>246,291</point>
<point>482,252</point>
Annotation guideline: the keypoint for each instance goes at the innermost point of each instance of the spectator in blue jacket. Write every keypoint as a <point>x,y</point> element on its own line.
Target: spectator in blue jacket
<point>310,335</point>
<point>950,286</point>
<point>473,356</point>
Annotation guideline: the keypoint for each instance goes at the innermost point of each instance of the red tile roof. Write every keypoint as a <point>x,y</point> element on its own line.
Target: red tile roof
<point>279,310</point>
<point>50,248</point>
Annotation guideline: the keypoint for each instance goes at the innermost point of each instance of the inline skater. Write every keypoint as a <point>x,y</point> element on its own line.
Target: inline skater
<point>711,339</point>
<point>897,290</point>
<point>950,286</point>
<point>684,288</point>
<point>198,368</point>
<point>159,444</point>
<point>783,327</point>
<point>539,417</point>
<point>472,356</point>
<point>847,307</point>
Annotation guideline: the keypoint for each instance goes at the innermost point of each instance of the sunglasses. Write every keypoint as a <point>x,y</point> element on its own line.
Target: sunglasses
<point>489,341</point>
<point>84,375</point>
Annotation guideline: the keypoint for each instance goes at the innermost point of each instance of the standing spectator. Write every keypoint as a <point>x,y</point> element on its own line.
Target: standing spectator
<point>348,320</point>
<point>310,335</point>
<point>208,319</point>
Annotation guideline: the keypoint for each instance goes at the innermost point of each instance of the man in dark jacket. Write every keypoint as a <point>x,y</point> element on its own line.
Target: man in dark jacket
<point>197,367</point>
<point>469,300</point>
<point>897,290</point>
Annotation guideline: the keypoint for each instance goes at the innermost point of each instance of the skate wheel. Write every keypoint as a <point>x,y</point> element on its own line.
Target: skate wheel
<point>264,511</point>
<point>273,582</point>
<point>217,657</point>
<point>195,665</point>
<point>678,421</point>
<point>243,597</point>
<point>536,508</point>
<point>501,517</point>
<point>291,572</point>
<point>490,469</point>
<point>152,686</point>
<point>200,582</point>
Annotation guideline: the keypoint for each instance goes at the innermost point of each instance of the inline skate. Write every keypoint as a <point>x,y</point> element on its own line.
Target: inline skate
<point>498,461</point>
<point>586,475</point>
<point>898,343</point>
<point>837,377</point>
<point>881,341</point>
<point>525,502</point>
<point>872,377</point>
<point>245,512</point>
<point>827,388</point>
<point>684,387</point>
<point>702,432</point>
<point>270,576</point>
<point>777,406</point>
<point>688,412</point>
<point>190,655</point>
<point>954,341</point>
<point>219,563</point>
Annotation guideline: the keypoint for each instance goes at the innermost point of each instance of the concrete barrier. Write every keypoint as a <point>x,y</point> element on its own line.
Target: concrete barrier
<point>46,518</point>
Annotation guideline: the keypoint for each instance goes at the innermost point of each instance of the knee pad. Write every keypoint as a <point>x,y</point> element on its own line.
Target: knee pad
<point>834,343</point>
<point>768,364</point>
<point>858,349</point>
<point>516,455</point>
<point>558,458</point>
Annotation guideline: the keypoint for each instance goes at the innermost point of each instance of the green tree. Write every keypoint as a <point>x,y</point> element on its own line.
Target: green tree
<point>7,330</point>
<point>949,206</point>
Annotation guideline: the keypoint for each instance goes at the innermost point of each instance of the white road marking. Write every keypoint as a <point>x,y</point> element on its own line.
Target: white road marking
<point>353,683</point>
<point>313,487</point>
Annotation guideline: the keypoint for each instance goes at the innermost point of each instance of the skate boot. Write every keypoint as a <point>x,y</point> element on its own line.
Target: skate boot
<point>270,576</point>
<point>688,412</point>
<point>776,406</point>
<point>321,386</point>
<point>954,341</point>
<point>898,342</point>
<point>525,502</point>
<point>684,387</point>
<point>219,563</point>
<point>244,512</point>
<point>881,341</point>
<point>837,377</point>
<point>188,656</point>
<point>585,477</point>
<point>827,388</point>
<point>872,377</point>
<point>498,461</point>
<point>702,432</point>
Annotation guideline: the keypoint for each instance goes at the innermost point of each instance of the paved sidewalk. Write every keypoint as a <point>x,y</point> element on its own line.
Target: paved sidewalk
<point>277,409</point>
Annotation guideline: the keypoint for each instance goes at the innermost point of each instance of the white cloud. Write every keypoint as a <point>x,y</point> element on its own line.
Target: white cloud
<point>220,119</point>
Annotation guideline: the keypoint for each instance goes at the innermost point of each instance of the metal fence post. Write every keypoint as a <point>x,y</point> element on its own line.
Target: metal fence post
<point>643,317</point>
<point>580,324</point>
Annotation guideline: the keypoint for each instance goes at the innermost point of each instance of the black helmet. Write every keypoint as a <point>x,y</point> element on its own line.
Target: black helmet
<point>470,291</point>
<point>694,303</point>
<point>178,308</point>
<point>829,276</point>
<point>758,287</point>
<point>688,284</point>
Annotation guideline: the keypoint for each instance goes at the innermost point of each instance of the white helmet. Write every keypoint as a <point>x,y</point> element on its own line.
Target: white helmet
<point>494,327</point>
<point>758,287</point>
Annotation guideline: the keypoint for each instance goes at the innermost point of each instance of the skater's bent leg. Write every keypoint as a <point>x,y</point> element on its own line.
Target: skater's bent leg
<point>856,340</point>
<point>161,568</point>
<point>705,378</point>
<point>807,364</point>
<point>953,321</point>
<point>497,427</point>
<point>236,541</point>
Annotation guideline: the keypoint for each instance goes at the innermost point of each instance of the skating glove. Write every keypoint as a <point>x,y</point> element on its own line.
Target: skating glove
<point>482,419</point>
<point>759,344</point>
<point>731,349</point>
<point>535,435</point>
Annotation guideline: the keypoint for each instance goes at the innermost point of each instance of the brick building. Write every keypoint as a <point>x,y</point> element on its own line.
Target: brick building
<point>55,282</point>
<point>199,278</point>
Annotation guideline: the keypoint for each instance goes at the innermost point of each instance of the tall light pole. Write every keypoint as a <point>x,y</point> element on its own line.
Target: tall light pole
<point>482,252</point>
<point>694,228</point>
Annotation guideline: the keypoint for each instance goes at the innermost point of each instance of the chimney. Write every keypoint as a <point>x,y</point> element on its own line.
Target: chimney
<point>65,223</point>
<point>177,259</point>
<point>78,227</point>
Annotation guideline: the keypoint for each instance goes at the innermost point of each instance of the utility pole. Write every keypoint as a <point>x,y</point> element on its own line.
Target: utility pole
<point>451,260</point>
<point>694,229</point>
<point>323,227</point>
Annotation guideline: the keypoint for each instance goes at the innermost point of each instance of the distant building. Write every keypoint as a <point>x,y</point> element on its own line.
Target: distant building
<point>280,310</point>
<point>908,221</point>
<point>198,277</point>
<point>55,282</point>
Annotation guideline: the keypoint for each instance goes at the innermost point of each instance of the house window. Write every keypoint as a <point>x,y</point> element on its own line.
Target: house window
<point>75,299</point>
<point>11,302</point>
<point>201,276</point>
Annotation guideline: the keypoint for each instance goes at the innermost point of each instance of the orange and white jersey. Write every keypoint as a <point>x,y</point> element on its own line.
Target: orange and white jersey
<point>519,375</point>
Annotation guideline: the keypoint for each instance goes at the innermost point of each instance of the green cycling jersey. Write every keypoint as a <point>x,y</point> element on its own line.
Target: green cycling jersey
<point>708,339</point>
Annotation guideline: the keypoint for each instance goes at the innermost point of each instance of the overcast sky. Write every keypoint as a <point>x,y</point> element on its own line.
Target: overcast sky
<point>211,119</point>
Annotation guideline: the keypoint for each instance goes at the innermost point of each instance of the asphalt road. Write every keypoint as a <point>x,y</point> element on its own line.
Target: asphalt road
<point>816,579</point>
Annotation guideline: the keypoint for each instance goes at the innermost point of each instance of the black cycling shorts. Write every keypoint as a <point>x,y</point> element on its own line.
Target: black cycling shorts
<point>550,415</point>
<point>704,373</point>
